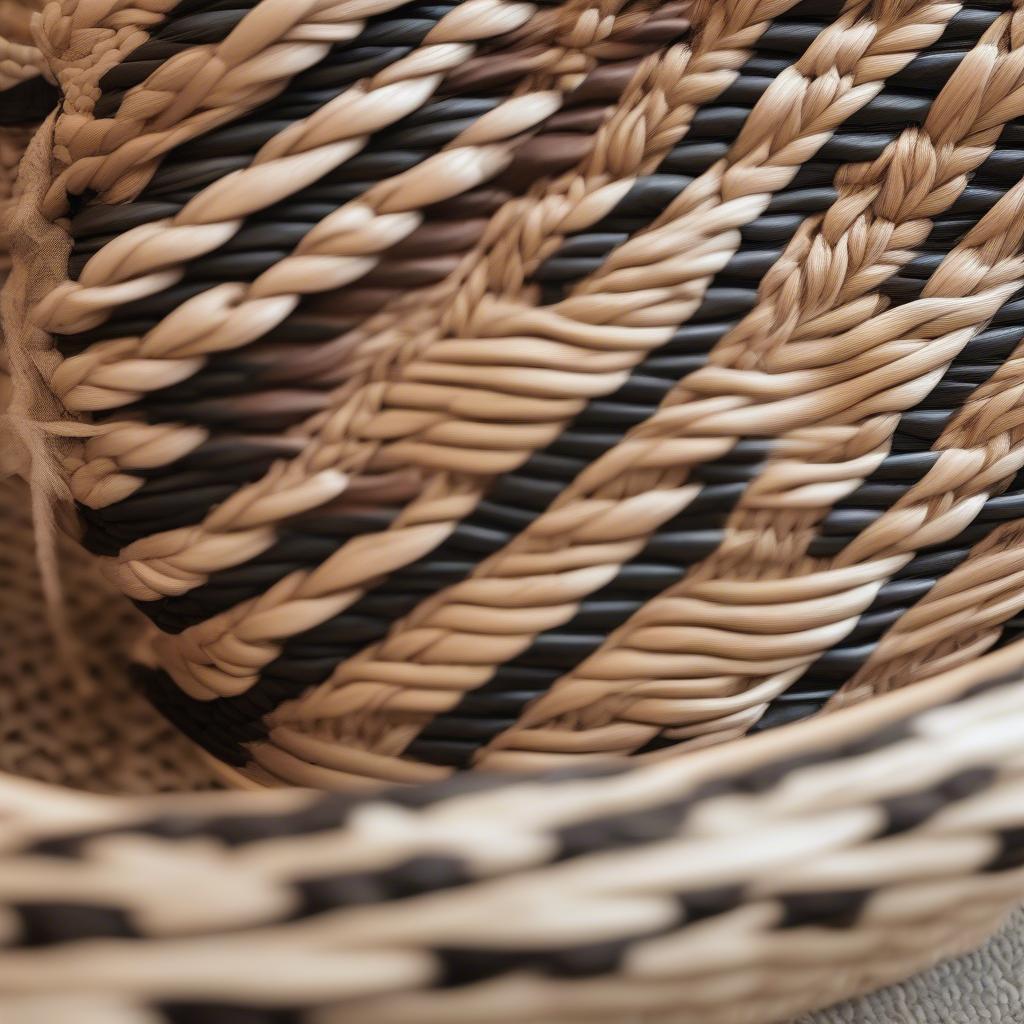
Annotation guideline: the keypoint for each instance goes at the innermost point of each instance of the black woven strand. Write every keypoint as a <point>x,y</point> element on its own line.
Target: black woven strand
<point>517,497</point>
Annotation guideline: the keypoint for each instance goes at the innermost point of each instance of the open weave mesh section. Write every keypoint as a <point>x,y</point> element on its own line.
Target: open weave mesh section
<point>93,732</point>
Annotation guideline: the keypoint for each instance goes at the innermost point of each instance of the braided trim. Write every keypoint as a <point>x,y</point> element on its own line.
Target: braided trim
<point>921,834</point>
<point>711,680</point>
<point>536,583</point>
<point>305,598</point>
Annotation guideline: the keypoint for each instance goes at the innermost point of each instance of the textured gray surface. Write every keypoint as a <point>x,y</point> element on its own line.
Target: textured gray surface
<point>986,987</point>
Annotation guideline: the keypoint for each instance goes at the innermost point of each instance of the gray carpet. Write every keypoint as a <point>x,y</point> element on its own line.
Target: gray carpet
<point>986,987</point>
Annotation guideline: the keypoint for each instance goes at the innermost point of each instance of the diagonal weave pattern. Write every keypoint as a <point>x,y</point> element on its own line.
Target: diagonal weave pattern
<point>509,385</point>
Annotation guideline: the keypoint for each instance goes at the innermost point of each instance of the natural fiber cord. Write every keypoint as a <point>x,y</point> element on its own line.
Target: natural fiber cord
<point>467,390</point>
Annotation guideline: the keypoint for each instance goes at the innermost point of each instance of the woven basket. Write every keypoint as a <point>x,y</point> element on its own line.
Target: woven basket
<point>549,408</point>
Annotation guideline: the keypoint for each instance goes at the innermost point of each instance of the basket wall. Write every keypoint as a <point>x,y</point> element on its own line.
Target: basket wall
<point>509,386</point>
<point>505,386</point>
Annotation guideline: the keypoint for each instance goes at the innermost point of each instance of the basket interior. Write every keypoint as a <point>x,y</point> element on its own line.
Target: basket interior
<point>88,729</point>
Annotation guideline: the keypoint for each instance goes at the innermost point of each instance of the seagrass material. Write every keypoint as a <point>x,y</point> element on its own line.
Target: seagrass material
<point>516,387</point>
<point>500,386</point>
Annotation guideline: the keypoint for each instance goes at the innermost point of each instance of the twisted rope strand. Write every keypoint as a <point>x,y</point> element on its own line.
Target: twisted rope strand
<point>149,258</point>
<point>323,451</point>
<point>534,584</point>
<point>961,617</point>
<point>97,481</point>
<point>81,41</point>
<point>345,245</point>
<point>985,590</point>
<point>197,90</point>
<point>692,675</point>
<point>426,521</point>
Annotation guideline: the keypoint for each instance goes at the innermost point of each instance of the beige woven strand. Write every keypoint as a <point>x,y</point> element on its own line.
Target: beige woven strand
<point>654,674</point>
<point>439,650</point>
<point>957,621</point>
<point>423,527</point>
<point>195,91</point>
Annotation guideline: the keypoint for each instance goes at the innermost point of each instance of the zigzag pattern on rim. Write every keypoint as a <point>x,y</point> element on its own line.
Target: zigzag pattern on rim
<point>388,903</point>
